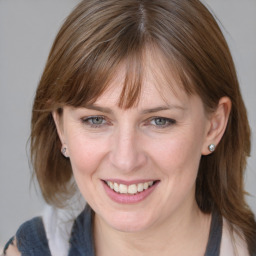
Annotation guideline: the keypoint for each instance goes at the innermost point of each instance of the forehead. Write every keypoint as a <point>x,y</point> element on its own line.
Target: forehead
<point>132,77</point>
<point>158,85</point>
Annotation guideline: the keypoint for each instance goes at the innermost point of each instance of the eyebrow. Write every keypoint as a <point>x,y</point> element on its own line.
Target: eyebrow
<point>100,109</point>
<point>161,108</point>
<point>145,111</point>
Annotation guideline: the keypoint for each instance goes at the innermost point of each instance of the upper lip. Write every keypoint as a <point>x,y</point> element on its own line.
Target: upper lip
<point>126,182</point>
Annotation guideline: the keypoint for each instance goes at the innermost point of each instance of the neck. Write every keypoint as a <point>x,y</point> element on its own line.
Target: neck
<point>189,228</point>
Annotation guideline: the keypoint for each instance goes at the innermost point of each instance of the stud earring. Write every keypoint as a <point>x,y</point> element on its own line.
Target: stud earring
<point>211,147</point>
<point>64,152</point>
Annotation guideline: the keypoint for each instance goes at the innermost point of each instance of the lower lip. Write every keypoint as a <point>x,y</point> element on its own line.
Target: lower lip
<point>127,198</point>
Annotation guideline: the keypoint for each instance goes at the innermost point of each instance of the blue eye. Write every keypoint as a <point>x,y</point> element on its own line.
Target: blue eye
<point>94,121</point>
<point>162,122</point>
<point>97,120</point>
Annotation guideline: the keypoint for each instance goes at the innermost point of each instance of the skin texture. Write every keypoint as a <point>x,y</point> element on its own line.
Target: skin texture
<point>162,138</point>
<point>131,145</point>
<point>13,250</point>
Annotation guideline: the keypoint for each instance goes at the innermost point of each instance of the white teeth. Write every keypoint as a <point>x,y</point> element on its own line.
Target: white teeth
<point>116,187</point>
<point>110,184</point>
<point>140,187</point>
<point>123,189</point>
<point>131,189</point>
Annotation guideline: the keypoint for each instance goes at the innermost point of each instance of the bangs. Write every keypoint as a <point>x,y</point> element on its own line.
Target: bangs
<point>96,42</point>
<point>95,75</point>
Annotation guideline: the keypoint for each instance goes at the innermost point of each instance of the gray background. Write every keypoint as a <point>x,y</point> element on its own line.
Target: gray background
<point>27,30</point>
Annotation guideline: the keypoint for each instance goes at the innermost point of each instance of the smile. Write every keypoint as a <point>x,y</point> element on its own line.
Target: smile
<point>131,189</point>
<point>124,192</point>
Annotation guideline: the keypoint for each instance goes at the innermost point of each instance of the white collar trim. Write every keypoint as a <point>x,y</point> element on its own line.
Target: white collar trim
<point>58,224</point>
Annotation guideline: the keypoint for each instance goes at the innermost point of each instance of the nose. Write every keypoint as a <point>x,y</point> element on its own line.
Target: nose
<point>127,154</point>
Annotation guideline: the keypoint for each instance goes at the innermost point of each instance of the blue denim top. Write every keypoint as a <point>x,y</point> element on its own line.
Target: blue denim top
<point>32,241</point>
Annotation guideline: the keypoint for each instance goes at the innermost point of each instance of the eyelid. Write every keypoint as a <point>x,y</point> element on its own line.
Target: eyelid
<point>86,121</point>
<point>91,117</point>
<point>170,121</point>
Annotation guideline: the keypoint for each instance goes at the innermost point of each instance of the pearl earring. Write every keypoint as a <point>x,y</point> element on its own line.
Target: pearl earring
<point>211,147</point>
<point>64,151</point>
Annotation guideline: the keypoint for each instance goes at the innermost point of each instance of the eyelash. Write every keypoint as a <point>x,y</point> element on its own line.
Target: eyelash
<point>168,122</point>
<point>88,121</point>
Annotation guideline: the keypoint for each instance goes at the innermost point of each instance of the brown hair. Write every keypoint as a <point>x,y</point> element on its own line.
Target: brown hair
<point>98,36</point>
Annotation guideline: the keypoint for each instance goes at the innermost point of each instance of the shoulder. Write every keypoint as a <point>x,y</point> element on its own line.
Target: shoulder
<point>11,248</point>
<point>46,235</point>
<point>32,234</point>
<point>30,239</point>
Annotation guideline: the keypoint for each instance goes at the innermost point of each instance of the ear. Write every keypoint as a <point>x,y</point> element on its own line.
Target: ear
<point>58,120</point>
<point>217,124</point>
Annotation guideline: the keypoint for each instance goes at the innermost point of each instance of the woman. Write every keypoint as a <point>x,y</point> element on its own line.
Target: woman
<point>139,110</point>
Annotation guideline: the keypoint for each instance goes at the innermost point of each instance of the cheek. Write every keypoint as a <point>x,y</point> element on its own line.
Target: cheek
<point>180,151</point>
<point>178,164</point>
<point>178,159</point>
<point>85,154</point>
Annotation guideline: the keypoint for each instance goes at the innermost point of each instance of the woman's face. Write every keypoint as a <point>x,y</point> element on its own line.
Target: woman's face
<point>149,154</point>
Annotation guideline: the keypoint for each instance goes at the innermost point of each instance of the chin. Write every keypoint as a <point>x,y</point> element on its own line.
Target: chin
<point>129,222</point>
